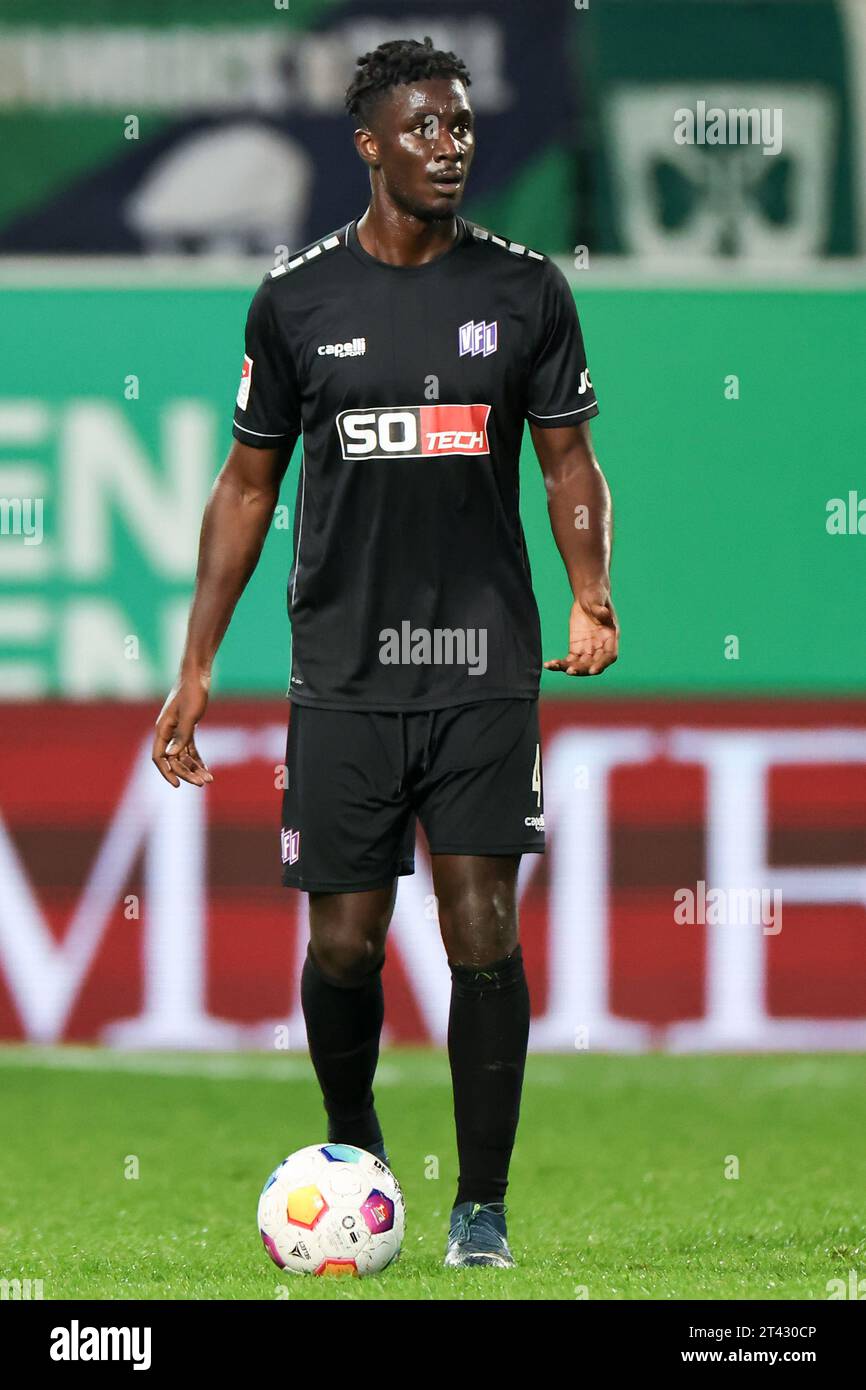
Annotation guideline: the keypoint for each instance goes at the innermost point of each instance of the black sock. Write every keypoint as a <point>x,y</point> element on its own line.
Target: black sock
<point>488,1031</point>
<point>343,1027</point>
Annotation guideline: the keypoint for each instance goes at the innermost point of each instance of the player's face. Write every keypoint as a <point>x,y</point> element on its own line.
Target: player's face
<point>422,143</point>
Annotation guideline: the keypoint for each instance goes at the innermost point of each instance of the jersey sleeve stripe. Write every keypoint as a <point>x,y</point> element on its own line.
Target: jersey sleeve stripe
<point>262,434</point>
<point>559,413</point>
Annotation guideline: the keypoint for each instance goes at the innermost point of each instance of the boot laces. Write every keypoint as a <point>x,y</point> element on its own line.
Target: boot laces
<point>466,1219</point>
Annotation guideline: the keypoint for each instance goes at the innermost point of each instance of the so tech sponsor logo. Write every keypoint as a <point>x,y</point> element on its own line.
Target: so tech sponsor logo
<point>413,431</point>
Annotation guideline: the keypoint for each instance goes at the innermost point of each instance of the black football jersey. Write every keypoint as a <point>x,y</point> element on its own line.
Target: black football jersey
<point>410,587</point>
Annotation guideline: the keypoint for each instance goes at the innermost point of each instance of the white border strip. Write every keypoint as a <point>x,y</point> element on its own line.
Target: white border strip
<point>604,272</point>
<point>613,272</point>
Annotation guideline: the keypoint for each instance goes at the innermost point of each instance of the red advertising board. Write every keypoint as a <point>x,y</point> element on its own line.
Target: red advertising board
<point>704,885</point>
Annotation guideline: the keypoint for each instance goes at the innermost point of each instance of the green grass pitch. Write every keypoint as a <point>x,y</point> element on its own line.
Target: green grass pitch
<point>619,1186</point>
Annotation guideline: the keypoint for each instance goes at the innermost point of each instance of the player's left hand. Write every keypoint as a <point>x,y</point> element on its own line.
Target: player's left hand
<point>593,636</point>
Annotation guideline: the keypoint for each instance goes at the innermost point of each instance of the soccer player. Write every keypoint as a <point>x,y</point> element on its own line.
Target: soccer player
<point>408,348</point>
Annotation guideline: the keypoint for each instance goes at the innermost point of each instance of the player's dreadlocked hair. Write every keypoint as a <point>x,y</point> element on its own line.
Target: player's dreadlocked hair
<point>393,64</point>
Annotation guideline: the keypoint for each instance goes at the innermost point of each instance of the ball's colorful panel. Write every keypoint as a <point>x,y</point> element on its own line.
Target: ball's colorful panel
<point>270,1246</point>
<point>271,1180</point>
<point>336,1268</point>
<point>378,1212</point>
<point>305,1206</point>
<point>342,1153</point>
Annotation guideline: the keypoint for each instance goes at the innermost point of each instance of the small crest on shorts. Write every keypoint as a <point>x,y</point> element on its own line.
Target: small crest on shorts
<point>290,846</point>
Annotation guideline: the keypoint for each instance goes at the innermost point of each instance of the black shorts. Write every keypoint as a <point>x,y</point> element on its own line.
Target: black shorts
<point>357,780</point>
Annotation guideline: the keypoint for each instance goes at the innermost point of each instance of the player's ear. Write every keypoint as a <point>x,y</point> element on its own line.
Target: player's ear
<point>368,149</point>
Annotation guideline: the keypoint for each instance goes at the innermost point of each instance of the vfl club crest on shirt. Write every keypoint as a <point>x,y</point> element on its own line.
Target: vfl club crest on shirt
<point>477,339</point>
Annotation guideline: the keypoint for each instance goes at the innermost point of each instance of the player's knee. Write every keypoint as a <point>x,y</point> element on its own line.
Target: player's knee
<point>346,957</point>
<point>478,927</point>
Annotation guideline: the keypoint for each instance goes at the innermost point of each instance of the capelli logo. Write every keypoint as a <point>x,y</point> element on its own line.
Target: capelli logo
<point>356,348</point>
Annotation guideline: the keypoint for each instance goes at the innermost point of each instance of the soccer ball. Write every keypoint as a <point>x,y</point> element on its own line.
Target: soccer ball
<point>332,1209</point>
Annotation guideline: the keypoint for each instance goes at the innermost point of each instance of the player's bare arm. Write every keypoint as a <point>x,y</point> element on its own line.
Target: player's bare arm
<point>579,507</point>
<point>235,523</point>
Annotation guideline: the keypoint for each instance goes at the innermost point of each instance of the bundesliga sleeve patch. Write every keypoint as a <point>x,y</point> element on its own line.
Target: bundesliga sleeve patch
<point>419,431</point>
<point>246,382</point>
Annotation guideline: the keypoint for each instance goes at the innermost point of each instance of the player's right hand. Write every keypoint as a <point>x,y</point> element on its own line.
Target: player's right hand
<point>174,750</point>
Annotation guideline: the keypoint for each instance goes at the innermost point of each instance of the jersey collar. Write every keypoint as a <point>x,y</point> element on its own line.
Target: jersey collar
<point>357,250</point>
